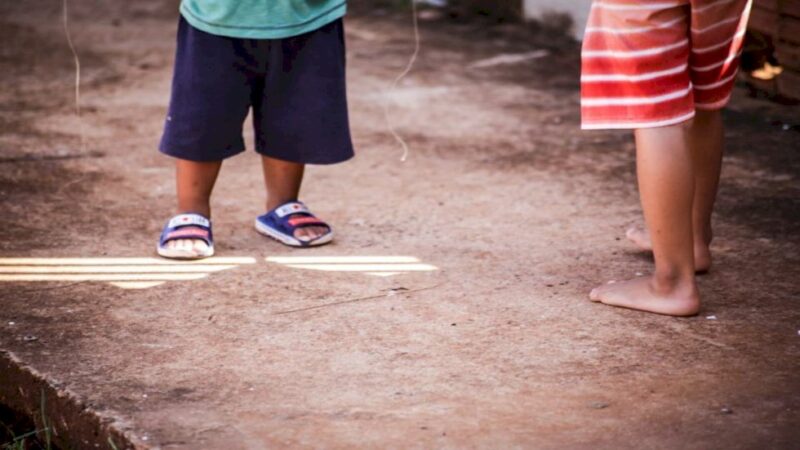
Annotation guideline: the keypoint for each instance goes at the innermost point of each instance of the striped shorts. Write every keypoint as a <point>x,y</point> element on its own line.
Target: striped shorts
<point>652,63</point>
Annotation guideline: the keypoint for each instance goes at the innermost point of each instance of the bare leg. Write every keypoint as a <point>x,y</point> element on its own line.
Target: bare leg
<point>195,181</point>
<point>706,143</point>
<point>666,184</point>
<point>283,180</point>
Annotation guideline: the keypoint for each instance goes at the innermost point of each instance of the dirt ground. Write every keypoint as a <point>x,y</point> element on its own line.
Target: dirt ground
<point>519,212</point>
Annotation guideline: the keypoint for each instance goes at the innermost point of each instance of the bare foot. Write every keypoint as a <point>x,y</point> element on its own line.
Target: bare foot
<point>643,294</point>
<point>641,237</point>
<point>702,258</point>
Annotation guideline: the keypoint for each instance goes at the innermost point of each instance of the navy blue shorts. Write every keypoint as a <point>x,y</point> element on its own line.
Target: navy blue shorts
<point>296,87</point>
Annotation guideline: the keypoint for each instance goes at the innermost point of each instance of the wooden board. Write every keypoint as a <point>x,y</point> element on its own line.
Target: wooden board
<point>789,8</point>
<point>789,84</point>
<point>788,56</point>
<point>769,5</point>
<point>763,19</point>
<point>788,48</point>
<point>789,29</point>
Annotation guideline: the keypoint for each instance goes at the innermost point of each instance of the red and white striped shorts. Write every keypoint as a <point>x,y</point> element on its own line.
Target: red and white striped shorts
<point>651,63</point>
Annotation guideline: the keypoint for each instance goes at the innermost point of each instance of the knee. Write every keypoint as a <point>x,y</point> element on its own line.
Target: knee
<point>706,116</point>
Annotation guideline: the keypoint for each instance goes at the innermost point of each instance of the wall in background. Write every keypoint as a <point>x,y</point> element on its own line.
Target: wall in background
<point>577,10</point>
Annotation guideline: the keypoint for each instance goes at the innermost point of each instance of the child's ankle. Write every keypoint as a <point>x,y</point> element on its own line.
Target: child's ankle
<point>274,202</point>
<point>704,236</point>
<point>203,211</point>
<point>673,280</point>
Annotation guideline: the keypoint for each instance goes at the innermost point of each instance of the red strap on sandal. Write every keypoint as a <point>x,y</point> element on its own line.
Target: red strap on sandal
<point>305,221</point>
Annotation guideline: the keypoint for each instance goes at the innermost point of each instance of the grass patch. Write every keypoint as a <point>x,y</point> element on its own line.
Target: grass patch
<point>19,432</point>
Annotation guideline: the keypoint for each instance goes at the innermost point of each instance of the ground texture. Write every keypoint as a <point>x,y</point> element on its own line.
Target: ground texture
<point>520,213</point>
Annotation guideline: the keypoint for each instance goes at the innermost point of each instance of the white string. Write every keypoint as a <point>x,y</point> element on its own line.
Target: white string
<point>393,87</point>
<point>77,74</point>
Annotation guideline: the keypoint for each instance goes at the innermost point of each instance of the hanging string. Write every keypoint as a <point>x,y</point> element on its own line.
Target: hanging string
<point>393,87</point>
<point>77,74</point>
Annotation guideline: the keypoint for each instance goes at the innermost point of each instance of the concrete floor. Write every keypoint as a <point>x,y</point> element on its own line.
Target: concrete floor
<point>467,327</point>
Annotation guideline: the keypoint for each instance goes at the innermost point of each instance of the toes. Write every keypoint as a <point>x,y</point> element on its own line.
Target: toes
<point>636,234</point>
<point>640,237</point>
<point>192,247</point>
<point>200,247</point>
<point>303,234</point>
<point>323,231</point>
<point>319,231</point>
<point>177,244</point>
<point>596,294</point>
<point>185,245</point>
<point>309,233</point>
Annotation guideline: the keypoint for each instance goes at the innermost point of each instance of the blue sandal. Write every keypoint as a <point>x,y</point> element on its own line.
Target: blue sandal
<point>186,226</point>
<point>282,222</point>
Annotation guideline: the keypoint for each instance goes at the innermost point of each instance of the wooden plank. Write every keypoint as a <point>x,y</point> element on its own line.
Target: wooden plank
<point>768,87</point>
<point>789,8</point>
<point>789,84</point>
<point>788,55</point>
<point>769,5</point>
<point>764,21</point>
<point>789,29</point>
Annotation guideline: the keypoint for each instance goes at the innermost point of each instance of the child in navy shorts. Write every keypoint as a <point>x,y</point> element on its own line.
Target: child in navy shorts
<point>285,59</point>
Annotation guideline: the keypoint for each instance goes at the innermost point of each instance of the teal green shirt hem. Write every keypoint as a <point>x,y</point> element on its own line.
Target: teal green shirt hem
<point>266,31</point>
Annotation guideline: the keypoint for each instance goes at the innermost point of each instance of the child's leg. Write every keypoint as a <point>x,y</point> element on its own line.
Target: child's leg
<point>211,96</point>
<point>667,186</point>
<point>195,181</point>
<point>706,136</point>
<point>705,142</point>
<point>283,180</point>
<point>300,117</point>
